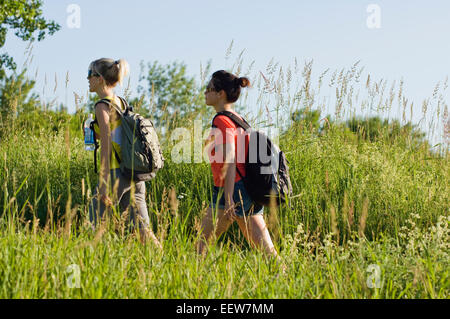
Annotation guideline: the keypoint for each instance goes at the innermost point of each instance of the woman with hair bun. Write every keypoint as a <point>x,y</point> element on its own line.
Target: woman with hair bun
<point>230,201</point>
<point>113,188</point>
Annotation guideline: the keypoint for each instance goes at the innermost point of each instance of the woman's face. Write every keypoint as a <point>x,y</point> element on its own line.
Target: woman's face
<point>95,81</point>
<point>212,97</point>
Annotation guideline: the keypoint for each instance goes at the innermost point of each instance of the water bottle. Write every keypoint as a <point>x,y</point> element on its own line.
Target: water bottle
<point>89,142</point>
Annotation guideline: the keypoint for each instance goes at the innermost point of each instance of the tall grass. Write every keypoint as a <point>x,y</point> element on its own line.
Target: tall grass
<point>356,203</point>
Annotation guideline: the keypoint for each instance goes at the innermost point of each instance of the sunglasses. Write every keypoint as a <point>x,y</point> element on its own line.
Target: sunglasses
<point>91,74</point>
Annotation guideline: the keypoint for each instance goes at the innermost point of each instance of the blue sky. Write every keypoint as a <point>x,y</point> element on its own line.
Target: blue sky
<point>412,42</point>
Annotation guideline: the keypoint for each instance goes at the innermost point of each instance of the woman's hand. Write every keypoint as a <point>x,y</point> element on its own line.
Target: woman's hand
<point>105,199</point>
<point>230,210</point>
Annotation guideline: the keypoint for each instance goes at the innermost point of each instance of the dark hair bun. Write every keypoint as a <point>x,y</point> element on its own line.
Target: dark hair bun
<point>244,82</point>
<point>230,83</point>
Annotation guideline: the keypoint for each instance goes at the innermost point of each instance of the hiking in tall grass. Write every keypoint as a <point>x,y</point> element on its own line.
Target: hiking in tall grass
<point>365,196</point>
<point>230,201</point>
<point>114,187</point>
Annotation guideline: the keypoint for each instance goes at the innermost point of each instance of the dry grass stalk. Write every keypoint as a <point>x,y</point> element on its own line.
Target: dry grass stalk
<point>273,222</point>
<point>173,202</point>
<point>35,226</point>
<point>56,84</point>
<point>198,224</point>
<point>49,217</point>
<point>363,219</point>
<point>344,211</point>
<point>163,221</point>
<point>67,79</point>
<point>334,225</point>
<point>68,216</point>
<point>122,223</point>
<point>67,141</point>
<point>100,232</point>
<point>351,214</point>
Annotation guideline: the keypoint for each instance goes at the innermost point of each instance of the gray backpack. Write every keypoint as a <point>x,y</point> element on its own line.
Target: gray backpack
<point>141,152</point>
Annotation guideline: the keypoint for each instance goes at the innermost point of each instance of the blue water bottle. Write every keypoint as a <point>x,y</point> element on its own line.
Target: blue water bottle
<point>89,142</point>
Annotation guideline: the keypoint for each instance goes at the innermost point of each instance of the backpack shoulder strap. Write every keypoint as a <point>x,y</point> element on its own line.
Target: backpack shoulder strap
<point>241,123</point>
<point>106,101</point>
<point>128,108</point>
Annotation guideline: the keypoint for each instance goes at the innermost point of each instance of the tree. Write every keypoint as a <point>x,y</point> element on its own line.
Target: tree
<point>170,93</point>
<point>25,18</point>
<point>310,119</point>
<point>15,96</point>
<point>374,128</point>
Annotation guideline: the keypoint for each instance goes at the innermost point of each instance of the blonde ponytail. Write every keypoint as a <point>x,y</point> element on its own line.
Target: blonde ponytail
<point>113,72</point>
<point>123,70</point>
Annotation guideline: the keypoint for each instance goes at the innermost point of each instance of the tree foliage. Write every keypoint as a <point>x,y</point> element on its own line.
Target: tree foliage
<point>369,128</point>
<point>169,92</point>
<point>25,18</point>
<point>311,120</point>
<point>16,96</point>
<point>374,128</point>
<point>309,117</point>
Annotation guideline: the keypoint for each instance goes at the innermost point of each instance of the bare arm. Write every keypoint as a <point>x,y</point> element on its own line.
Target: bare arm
<point>230,176</point>
<point>103,118</point>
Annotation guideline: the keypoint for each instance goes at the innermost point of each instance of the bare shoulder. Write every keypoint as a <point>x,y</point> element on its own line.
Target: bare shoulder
<point>102,112</point>
<point>102,106</point>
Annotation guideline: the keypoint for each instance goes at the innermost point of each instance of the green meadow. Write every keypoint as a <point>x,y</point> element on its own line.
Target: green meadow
<point>369,215</point>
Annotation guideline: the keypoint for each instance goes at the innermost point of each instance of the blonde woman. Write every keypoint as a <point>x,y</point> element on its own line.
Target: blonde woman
<point>113,188</point>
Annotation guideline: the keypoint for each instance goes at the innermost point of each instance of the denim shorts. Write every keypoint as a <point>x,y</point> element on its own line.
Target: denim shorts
<point>244,204</point>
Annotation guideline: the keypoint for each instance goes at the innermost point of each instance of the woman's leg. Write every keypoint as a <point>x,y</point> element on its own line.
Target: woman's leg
<point>138,212</point>
<point>255,231</point>
<point>210,226</point>
<point>141,217</point>
<point>96,209</point>
<point>137,206</point>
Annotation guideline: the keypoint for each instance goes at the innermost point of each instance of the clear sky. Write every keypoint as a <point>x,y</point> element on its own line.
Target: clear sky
<point>412,42</point>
